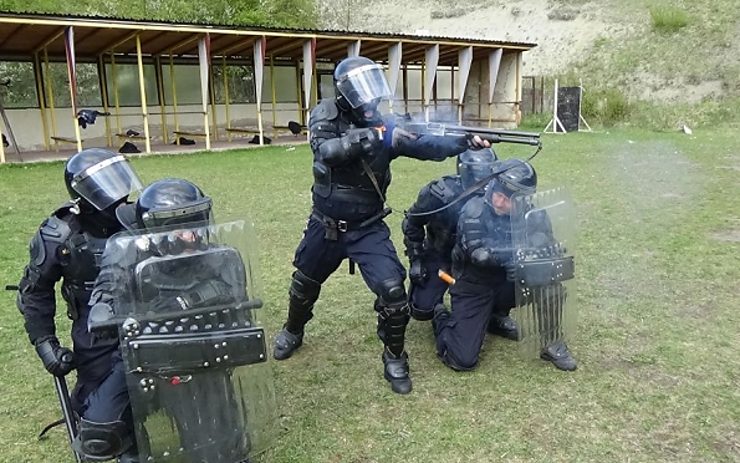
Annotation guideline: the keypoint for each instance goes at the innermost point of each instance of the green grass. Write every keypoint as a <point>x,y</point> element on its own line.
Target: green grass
<point>657,341</point>
<point>668,19</point>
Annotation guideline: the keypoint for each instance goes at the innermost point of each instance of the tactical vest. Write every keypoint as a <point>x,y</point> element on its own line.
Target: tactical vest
<point>346,192</point>
<point>79,254</point>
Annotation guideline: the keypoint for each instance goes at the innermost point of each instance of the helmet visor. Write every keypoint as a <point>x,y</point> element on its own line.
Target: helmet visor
<point>194,213</point>
<point>106,182</point>
<point>473,172</point>
<point>364,85</point>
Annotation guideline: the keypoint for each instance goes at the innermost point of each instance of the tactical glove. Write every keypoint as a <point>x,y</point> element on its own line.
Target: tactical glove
<point>418,272</point>
<point>57,360</point>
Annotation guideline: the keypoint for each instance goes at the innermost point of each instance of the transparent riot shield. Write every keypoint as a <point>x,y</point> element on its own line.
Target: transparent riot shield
<point>543,233</point>
<point>195,355</point>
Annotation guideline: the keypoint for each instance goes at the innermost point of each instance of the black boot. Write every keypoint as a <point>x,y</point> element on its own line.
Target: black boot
<point>397,371</point>
<point>558,353</point>
<point>286,343</point>
<point>504,326</point>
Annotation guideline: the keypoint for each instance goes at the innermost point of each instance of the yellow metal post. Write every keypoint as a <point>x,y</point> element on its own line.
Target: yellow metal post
<point>142,92</point>
<point>174,98</point>
<point>50,94</point>
<point>38,77</point>
<point>160,93</point>
<point>116,98</point>
<point>103,78</point>
<point>226,97</point>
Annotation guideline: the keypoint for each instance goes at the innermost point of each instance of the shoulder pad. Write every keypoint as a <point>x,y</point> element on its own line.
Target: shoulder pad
<point>325,111</point>
<point>442,189</point>
<point>473,208</point>
<point>56,228</point>
<point>37,250</point>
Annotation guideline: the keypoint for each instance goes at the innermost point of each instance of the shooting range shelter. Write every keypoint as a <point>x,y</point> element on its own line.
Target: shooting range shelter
<point>162,82</point>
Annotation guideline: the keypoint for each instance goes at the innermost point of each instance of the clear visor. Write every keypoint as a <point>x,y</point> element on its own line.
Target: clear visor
<point>364,85</point>
<point>107,182</point>
<point>472,173</point>
<point>198,214</point>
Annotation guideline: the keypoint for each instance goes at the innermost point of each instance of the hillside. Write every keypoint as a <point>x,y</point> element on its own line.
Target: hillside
<point>683,54</point>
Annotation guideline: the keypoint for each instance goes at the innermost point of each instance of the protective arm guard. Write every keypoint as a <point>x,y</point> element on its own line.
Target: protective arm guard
<point>355,143</point>
<point>35,298</point>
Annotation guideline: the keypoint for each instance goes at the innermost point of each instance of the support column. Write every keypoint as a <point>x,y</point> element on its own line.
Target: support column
<point>259,49</point>
<point>204,53</point>
<point>464,62</point>
<point>142,95</point>
<point>395,53</point>
<point>69,48</point>
<point>431,59</point>
<point>494,62</point>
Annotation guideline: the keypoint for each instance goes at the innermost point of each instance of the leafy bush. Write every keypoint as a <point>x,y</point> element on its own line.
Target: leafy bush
<point>606,106</point>
<point>668,19</point>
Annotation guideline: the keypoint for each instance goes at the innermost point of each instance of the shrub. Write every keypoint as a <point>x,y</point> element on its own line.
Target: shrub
<point>668,19</point>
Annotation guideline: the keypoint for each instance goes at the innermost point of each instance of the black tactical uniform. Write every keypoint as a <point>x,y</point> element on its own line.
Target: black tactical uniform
<point>430,227</point>
<point>353,148</point>
<point>68,247</point>
<point>481,258</point>
<point>163,278</point>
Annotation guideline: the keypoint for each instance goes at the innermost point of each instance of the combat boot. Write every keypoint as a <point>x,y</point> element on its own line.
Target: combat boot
<point>396,371</point>
<point>504,326</point>
<point>286,343</point>
<point>558,353</point>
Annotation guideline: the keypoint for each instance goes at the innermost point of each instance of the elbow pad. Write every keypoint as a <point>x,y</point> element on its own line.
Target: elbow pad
<point>355,143</point>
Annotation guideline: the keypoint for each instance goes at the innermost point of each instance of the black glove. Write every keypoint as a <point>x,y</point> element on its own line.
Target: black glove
<point>57,360</point>
<point>365,139</point>
<point>483,258</point>
<point>170,304</point>
<point>418,272</point>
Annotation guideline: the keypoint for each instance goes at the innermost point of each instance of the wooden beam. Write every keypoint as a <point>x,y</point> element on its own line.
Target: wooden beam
<point>237,46</point>
<point>11,34</point>
<point>295,46</point>
<point>183,43</point>
<point>78,41</point>
<point>329,49</point>
<point>45,42</point>
<point>111,46</point>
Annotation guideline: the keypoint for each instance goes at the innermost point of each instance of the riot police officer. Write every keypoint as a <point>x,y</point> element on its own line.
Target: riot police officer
<point>67,247</point>
<point>429,236</point>
<point>483,268</point>
<point>169,286</point>
<point>353,147</point>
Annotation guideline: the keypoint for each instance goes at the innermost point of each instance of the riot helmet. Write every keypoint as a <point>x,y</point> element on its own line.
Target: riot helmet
<point>171,202</point>
<point>360,86</point>
<point>97,178</point>
<point>514,177</point>
<point>475,165</point>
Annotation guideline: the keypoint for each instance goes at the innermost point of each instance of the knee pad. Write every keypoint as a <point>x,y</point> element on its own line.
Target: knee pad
<point>392,292</point>
<point>102,441</point>
<point>304,288</point>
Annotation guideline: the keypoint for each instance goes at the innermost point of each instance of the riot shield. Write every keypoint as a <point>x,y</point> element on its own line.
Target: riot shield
<point>195,355</point>
<point>543,233</point>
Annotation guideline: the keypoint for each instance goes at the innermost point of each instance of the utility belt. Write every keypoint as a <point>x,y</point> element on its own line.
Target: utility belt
<point>333,227</point>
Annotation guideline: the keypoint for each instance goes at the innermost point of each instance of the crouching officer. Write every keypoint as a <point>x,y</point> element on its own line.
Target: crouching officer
<point>430,230</point>
<point>353,147</point>
<point>177,292</point>
<point>484,267</point>
<point>68,247</point>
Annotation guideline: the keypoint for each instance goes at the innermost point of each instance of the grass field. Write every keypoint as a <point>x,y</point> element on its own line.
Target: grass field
<point>658,339</point>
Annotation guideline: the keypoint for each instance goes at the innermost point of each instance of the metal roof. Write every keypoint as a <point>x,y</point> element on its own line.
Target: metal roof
<point>23,34</point>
